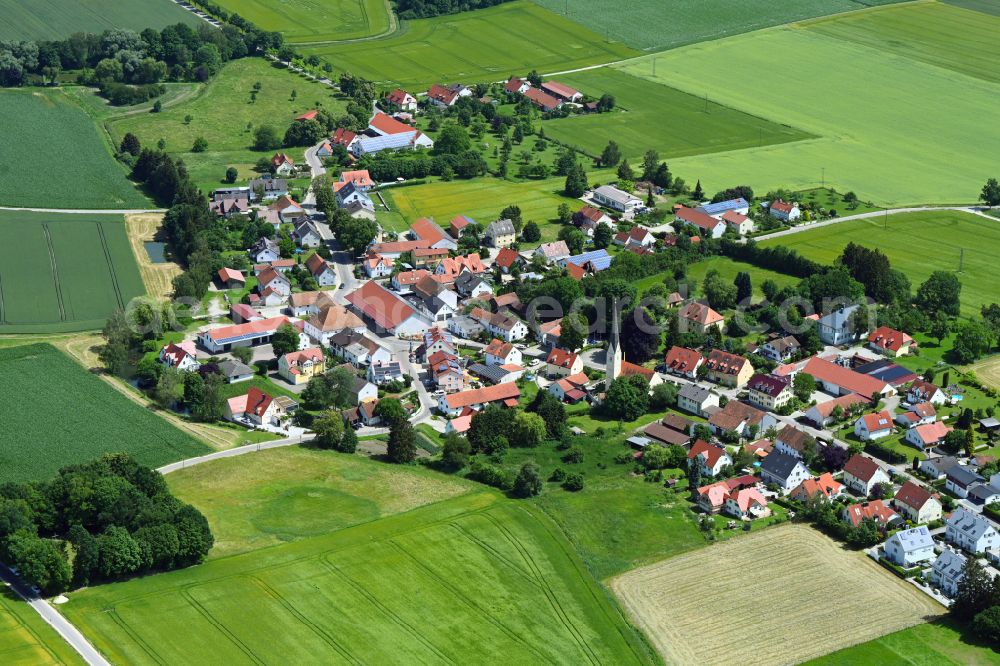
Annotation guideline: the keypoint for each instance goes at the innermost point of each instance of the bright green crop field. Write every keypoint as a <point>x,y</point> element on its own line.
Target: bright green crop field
<point>653,25</point>
<point>59,413</point>
<point>222,112</point>
<point>937,643</point>
<point>57,19</point>
<point>900,123</point>
<point>460,580</point>
<point>987,6</point>
<point>52,156</point>
<point>650,116</point>
<point>917,244</point>
<point>314,20</point>
<point>63,272</point>
<point>470,47</point>
<point>26,640</point>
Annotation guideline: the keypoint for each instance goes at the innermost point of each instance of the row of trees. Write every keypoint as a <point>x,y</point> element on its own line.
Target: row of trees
<point>102,520</point>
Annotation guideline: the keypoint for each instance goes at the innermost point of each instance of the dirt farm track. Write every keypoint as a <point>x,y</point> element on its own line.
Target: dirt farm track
<point>790,581</point>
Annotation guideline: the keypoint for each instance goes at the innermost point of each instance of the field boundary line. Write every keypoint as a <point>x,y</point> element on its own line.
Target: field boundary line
<point>223,629</point>
<point>388,612</point>
<point>323,635</point>
<point>111,265</point>
<point>547,590</point>
<point>55,270</point>
<point>3,310</point>
<point>484,613</point>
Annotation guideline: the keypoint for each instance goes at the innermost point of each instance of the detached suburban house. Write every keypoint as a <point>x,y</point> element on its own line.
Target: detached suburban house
<point>785,471</point>
<point>861,474</point>
<point>927,436</point>
<point>683,362</point>
<point>696,399</point>
<point>908,548</point>
<point>181,356</point>
<point>712,458</point>
<point>562,363</point>
<point>699,317</point>
<point>500,233</point>
<point>824,486</point>
<point>916,503</point>
<point>454,404</point>
<point>784,211</point>
<point>707,226</point>
<point>890,342</point>
<point>971,532</point>
<point>728,369</point>
<point>873,426</point>
<point>921,391</point>
<point>947,572</point>
<point>769,392</point>
<point>299,367</point>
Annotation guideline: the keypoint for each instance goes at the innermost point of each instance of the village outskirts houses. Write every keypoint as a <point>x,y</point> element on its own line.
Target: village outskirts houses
<point>873,426</point>
<point>180,356</point>
<point>683,362</point>
<point>706,225</point>
<point>499,352</point>
<point>916,503</point>
<point>947,572</point>
<point>922,391</point>
<point>971,532</point>
<point>861,474</point>
<point>710,457</point>
<point>780,349</point>
<point>908,548</point>
<point>783,470</point>
<point>611,197</point>
<point>728,369</point>
<point>784,210</point>
<point>503,326</point>
<point>698,317</point>
<point>402,99</point>
<point>299,367</point>
<point>769,392</point>
<point>501,234</point>
<point>697,400</point>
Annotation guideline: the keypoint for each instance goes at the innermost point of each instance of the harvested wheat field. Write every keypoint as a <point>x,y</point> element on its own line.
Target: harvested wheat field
<point>778,596</point>
<point>158,278</point>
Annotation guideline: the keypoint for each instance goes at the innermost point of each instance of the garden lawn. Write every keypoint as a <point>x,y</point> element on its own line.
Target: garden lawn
<point>643,24</point>
<point>618,521</point>
<point>63,272</point>
<point>293,493</point>
<point>940,643</point>
<point>58,19</point>
<point>479,46</point>
<point>653,116</point>
<point>221,113</point>
<point>59,413</point>
<point>424,582</point>
<point>52,156</point>
<point>26,640</point>
<point>918,99</point>
<point>314,20</point>
<point>917,244</point>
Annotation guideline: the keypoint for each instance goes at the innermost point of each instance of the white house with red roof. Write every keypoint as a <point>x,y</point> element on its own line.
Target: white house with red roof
<point>402,99</point>
<point>875,510</point>
<point>377,266</point>
<point>873,426</point>
<point>919,414</point>
<point>321,270</point>
<point>890,342</point>
<point>256,407</point>
<point>516,85</point>
<point>571,389</point>
<point>282,164</point>
<point>699,317</point>
<point>180,355</point>
<point>505,394</point>
<point>635,237</point>
<point>769,392</point>
<point>706,225</point>
<point>712,458</point>
<point>861,474</point>
<point>562,363</point>
<point>499,352</point>
<point>917,503</point>
<point>746,504</point>
<point>683,362</point>
<point>921,391</point>
<point>738,222</point>
<point>927,436</point>
<point>588,217</point>
<point>542,99</point>
<point>445,96</point>
<point>823,485</point>
<point>784,210</point>
<point>504,326</point>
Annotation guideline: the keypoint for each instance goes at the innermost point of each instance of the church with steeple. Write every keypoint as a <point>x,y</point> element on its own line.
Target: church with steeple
<point>614,353</point>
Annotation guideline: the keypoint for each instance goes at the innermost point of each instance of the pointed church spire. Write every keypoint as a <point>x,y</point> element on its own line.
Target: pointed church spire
<point>614,352</point>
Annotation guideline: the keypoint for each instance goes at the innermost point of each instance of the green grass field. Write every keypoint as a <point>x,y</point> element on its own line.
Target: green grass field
<point>938,644</point>
<point>54,157</point>
<point>221,113</point>
<point>461,581</point>
<point>917,244</point>
<point>880,109</point>
<point>291,494</point>
<point>654,116</point>
<point>63,272</point>
<point>57,19</point>
<point>315,20</point>
<point>484,45</point>
<point>649,25</point>
<point>482,199</point>
<point>59,414</point>
<point>26,640</point>
<point>987,6</point>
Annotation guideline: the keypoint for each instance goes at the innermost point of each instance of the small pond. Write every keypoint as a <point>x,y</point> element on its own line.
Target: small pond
<point>157,251</point>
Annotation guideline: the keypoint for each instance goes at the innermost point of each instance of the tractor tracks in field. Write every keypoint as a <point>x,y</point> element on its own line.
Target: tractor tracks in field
<point>55,270</point>
<point>111,266</point>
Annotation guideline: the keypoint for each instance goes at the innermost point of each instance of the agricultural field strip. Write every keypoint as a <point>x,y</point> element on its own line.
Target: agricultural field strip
<point>317,21</point>
<point>695,618</point>
<point>268,577</point>
<point>57,19</point>
<point>902,98</point>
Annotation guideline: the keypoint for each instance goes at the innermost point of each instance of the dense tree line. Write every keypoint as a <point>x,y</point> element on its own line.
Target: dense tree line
<point>103,520</point>
<point>777,258</point>
<point>117,59</point>
<point>411,9</point>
